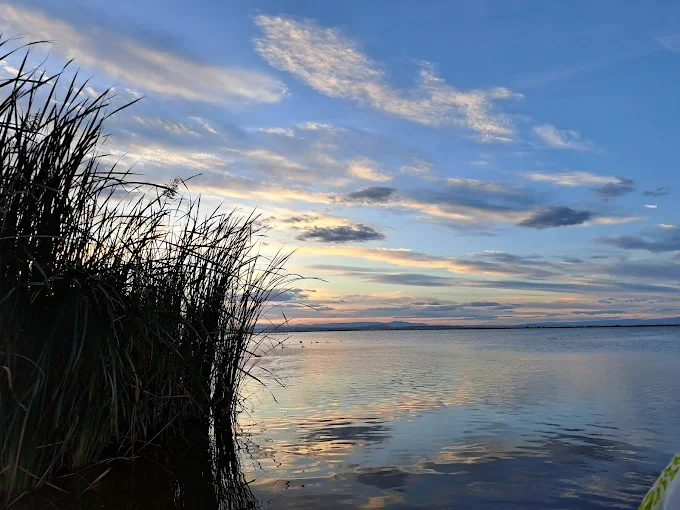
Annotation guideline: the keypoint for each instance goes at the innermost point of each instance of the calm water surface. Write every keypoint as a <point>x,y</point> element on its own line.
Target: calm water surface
<point>570,418</point>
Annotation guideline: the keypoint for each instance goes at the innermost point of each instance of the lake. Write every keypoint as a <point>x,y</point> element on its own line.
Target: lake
<point>548,418</point>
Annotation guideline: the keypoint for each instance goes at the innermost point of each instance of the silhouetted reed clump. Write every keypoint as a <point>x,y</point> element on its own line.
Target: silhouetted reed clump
<point>126,312</point>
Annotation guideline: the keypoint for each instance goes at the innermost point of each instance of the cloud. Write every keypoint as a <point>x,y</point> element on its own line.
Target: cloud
<point>363,168</point>
<point>621,187</point>
<point>405,307</point>
<point>519,266</point>
<point>277,131</point>
<point>410,279</point>
<point>669,241</point>
<point>556,216</point>
<point>333,65</point>
<point>472,201</point>
<point>126,59</point>
<point>358,233</point>
<point>336,268</point>
<point>578,278</point>
<point>417,167</point>
<point>303,218</point>
<point>646,270</point>
<point>670,41</point>
<point>610,186</point>
<point>250,169</point>
<point>382,275</point>
<point>569,178</point>
<point>613,220</point>
<point>9,70</point>
<point>651,206</point>
<point>658,192</point>
<point>475,185</point>
<point>162,157</point>
<point>175,128</point>
<point>272,163</point>
<point>205,125</point>
<point>372,195</point>
<point>291,295</point>
<point>572,288</point>
<point>562,138</point>
<point>320,126</point>
<point>600,312</point>
<point>460,203</point>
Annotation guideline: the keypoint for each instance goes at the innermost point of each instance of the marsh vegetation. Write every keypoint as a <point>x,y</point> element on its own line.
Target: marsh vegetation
<point>127,309</point>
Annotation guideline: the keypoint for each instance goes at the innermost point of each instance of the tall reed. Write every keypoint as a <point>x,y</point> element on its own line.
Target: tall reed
<point>126,309</point>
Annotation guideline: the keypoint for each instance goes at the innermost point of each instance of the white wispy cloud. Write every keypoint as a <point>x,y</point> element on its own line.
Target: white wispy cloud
<point>8,69</point>
<point>91,92</point>
<point>125,59</point>
<point>164,157</point>
<point>562,138</point>
<point>364,168</point>
<point>333,64</point>
<point>670,41</point>
<point>133,93</point>
<point>319,126</point>
<point>481,163</point>
<point>176,128</point>
<point>205,125</point>
<point>570,178</point>
<point>419,168</point>
<point>613,220</point>
<point>651,206</point>
<point>277,131</point>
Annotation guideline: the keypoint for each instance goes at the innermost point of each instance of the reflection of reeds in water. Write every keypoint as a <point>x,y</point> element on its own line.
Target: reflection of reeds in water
<point>126,313</point>
<point>199,472</point>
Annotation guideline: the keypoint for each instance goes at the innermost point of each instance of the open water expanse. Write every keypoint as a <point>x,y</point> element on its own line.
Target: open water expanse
<point>548,418</point>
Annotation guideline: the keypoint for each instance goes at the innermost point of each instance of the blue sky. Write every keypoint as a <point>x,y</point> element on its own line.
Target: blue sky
<point>447,162</point>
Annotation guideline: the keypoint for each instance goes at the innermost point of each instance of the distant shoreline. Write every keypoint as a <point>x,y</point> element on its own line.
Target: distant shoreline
<point>467,328</point>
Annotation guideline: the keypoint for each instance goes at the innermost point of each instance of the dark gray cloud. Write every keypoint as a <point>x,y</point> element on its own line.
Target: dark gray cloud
<point>600,312</point>
<point>556,216</point>
<point>510,258</point>
<point>291,295</point>
<point>437,309</point>
<point>303,218</point>
<point>481,195</point>
<point>483,200</point>
<point>372,195</point>
<point>387,276</point>
<point>658,192</point>
<point>412,279</point>
<point>623,186</point>
<point>646,270</point>
<point>358,233</point>
<point>585,288</point>
<point>490,262</point>
<point>670,242</point>
<point>610,301</point>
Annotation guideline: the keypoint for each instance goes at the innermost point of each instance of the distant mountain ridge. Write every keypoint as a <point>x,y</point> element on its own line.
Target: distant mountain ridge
<point>405,325</point>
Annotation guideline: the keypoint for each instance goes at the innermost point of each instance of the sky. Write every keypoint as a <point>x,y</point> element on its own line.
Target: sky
<point>467,162</point>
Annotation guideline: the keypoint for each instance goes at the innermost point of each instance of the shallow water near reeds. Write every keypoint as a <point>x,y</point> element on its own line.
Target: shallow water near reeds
<point>550,418</point>
<point>485,419</point>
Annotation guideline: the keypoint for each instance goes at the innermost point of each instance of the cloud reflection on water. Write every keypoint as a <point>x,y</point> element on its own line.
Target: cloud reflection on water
<point>402,425</point>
